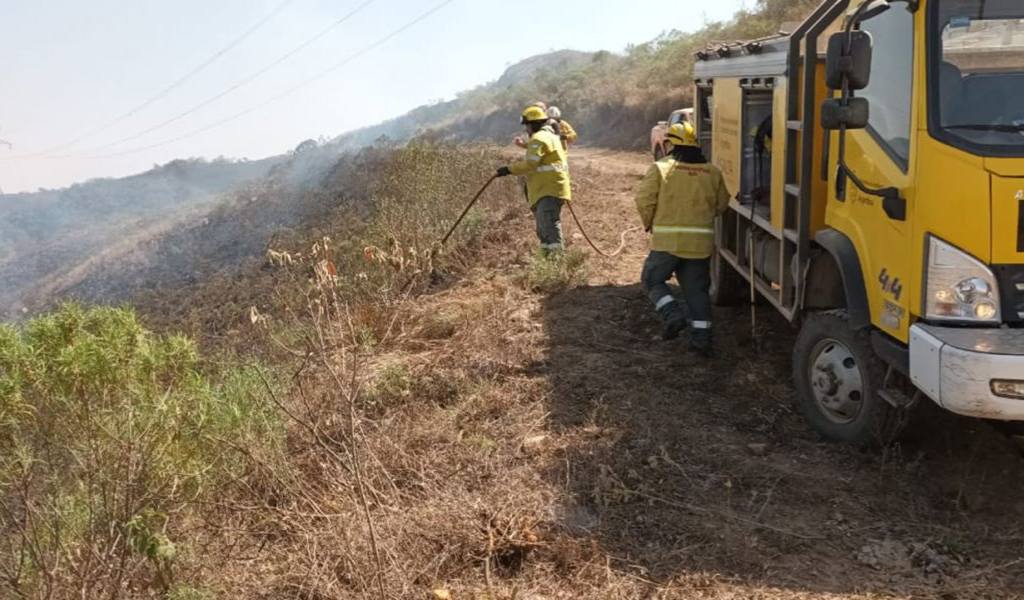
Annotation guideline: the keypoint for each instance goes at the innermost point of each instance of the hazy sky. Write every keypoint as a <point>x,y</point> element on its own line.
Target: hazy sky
<point>72,68</point>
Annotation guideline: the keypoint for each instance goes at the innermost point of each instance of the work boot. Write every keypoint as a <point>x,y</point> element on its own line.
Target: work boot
<point>674,319</point>
<point>700,342</point>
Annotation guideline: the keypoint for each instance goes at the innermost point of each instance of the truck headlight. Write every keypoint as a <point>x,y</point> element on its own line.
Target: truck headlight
<point>960,287</point>
<point>1008,389</point>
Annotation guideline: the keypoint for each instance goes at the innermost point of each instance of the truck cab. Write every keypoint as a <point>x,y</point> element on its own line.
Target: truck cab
<point>877,159</point>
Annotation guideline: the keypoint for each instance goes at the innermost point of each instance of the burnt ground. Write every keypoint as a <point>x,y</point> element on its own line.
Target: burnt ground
<point>680,477</point>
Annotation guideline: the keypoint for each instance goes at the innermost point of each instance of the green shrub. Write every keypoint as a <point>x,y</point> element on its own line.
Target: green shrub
<point>556,272</point>
<point>109,436</point>
<point>391,386</point>
<point>190,593</point>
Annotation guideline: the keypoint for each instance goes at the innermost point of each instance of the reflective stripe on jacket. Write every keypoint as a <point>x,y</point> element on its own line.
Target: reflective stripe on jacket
<point>546,167</point>
<point>678,203</point>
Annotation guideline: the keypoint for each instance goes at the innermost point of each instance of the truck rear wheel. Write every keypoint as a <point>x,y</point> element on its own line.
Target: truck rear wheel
<point>837,377</point>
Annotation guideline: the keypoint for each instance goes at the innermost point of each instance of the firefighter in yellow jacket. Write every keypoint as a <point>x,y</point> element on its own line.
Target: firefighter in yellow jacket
<point>546,168</point>
<point>565,129</point>
<point>679,200</point>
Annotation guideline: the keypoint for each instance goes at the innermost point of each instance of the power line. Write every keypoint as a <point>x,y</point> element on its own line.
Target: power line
<point>245,81</point>
<point>350,58</point>
<point>176,84</point>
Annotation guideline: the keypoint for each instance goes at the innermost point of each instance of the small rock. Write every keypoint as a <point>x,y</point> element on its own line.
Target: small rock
<point>442,594</point>
<point>758,449</point>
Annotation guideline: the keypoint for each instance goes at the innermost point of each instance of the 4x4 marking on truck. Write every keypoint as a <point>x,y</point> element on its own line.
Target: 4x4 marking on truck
<point>891,285</point>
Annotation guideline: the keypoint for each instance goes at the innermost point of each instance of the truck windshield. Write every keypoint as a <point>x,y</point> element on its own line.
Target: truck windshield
<point>977,75</point>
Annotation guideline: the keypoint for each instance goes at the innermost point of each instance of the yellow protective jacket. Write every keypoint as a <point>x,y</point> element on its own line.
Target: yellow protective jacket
<point>546,167</point>
<point>678,203</point>
<point>569,135</point>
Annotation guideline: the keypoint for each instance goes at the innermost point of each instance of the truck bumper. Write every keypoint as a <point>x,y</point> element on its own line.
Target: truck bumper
<point>957,367</point>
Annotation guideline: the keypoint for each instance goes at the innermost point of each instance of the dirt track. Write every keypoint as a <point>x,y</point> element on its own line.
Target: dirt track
<point>661,475</point>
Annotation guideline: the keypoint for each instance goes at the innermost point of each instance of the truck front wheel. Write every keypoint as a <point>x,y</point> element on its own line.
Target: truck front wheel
<point>837,377</point>
<point>659,152</point>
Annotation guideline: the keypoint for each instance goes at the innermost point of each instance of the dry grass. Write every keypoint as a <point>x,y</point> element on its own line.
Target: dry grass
<point>521,444</point>
<point>455,431</point>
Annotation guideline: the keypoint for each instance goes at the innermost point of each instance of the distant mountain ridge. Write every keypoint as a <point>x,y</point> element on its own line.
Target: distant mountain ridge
<point>51,233</point>
<point>561,60</point>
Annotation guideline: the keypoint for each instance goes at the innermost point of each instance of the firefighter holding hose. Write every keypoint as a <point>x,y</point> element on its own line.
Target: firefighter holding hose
<point>678,201</point>
<point>546,168</point>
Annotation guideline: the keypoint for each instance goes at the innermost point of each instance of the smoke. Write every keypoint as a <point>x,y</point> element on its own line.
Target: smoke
<point>52,240</point>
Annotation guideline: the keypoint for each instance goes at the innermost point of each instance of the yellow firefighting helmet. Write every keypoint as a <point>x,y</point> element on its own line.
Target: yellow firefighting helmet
<point>533,114</point>
<point>682,134</point>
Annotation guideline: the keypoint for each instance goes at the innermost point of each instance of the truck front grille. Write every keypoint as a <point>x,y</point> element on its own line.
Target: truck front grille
<point>1011,284</point>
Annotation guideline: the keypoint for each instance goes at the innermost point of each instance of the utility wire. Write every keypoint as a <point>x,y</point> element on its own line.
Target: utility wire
<point>245,81</point>
<point>176,84</point>
<point>350,58</point>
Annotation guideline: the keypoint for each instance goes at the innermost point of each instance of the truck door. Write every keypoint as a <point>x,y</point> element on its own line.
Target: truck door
<point>882,156</point>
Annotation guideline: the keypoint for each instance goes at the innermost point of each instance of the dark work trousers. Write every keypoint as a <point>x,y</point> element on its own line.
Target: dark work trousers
<point>694,277</point>
<point>548,214</point>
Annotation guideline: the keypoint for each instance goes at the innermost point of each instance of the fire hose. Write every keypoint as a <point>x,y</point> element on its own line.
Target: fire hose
<point>469,207</point>
<point>622,237</point>
<point>472,203</point>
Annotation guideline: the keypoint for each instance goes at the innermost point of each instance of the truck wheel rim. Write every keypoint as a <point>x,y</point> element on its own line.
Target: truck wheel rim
<point>836,382</point>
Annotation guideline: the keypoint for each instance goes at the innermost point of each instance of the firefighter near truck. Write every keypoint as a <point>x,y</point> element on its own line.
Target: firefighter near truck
<point>875,158</point>
<point>660,147</point>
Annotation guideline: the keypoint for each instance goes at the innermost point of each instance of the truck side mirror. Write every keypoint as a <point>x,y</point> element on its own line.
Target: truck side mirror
<point>836,114</point>
<point>848,60</point>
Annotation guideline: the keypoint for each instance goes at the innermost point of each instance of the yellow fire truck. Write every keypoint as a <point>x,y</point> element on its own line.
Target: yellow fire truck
<point>876,155</point>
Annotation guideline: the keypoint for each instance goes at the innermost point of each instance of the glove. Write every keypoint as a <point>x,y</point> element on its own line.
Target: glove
<point>504,172</point>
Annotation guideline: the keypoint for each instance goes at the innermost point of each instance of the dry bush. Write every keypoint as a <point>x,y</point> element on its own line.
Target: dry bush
<point>391,252</point>
<point>556,272</point>
<point>336,519</point>
<point>389,454</point>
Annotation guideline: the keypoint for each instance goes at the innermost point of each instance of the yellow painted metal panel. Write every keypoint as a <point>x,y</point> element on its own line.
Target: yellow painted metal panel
<point>779,153</point>
<point>727,147</point>
<point>819,187</point>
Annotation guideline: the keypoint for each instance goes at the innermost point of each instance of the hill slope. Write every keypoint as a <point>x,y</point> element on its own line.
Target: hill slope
<point>612,99</point>
<point>54,234</point>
